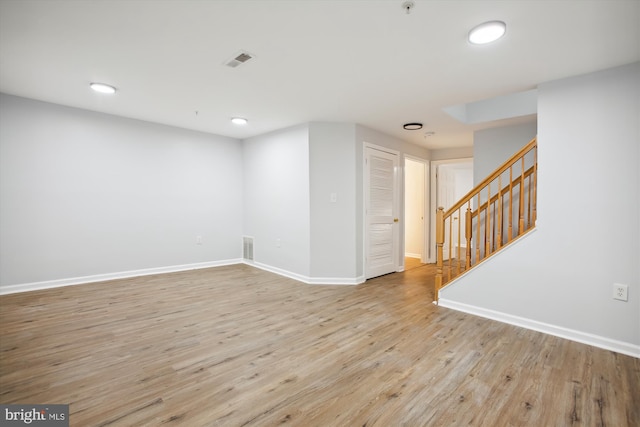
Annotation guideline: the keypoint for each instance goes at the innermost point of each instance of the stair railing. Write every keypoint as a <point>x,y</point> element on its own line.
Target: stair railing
<point>492,215</point>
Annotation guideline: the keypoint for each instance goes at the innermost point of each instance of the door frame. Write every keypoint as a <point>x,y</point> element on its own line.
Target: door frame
<point>398,260</point>
<point>433,201</point>
<point>426,222</point>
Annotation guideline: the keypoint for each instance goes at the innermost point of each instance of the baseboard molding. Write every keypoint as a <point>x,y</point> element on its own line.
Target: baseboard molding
<point>410,255</point>
<point>558,331</point>
<point>306,279</point>
<point>336,281</point>
<point>49,284</point>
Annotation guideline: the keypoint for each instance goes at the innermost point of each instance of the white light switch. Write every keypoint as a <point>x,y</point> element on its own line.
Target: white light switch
<point>333,197</point>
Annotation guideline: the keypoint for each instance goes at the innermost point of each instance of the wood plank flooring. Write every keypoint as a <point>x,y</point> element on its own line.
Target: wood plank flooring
<point>237,346</point>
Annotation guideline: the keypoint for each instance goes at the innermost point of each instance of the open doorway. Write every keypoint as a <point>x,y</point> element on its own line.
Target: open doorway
<point>416,211</point>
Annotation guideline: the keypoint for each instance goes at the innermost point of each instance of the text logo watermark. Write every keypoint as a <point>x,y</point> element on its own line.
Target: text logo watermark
<point>34,415</point>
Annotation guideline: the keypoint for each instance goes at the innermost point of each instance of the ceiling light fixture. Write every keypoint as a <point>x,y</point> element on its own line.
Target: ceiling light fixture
<point>412,126</point>
<point>103,88</point>
<point>487,32</point>
<point>239,121</point>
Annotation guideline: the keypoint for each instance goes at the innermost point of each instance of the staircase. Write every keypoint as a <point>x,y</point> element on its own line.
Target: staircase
<point>487,219</point>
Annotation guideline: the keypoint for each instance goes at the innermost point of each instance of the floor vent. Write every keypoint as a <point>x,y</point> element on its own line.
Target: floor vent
<point>247,248</point>
<point>239,59</point>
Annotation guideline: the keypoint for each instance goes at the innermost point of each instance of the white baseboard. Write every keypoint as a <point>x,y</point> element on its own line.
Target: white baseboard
<point>49,284</point>
<point>558,331</point>
<point>306,279</point>
<point>410,255</point>
<point>335,281</point>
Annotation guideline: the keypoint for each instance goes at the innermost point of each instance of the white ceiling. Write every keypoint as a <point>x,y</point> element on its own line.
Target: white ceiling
<point>365,62</point>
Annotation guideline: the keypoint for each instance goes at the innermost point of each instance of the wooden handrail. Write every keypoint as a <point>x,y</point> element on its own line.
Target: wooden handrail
<point>504,190</point>
<point>506,165</point>
<point>485,227</point>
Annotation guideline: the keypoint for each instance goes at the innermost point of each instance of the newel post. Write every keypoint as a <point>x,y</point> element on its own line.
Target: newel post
<point>439,255</point>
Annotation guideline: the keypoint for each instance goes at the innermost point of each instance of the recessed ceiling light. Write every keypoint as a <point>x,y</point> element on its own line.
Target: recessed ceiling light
<point>487,32</point>
<point>102,88</point>
<point>239,121</point>
<point>412,126</point>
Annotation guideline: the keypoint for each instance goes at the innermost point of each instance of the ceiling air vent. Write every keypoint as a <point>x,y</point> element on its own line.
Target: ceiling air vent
<point>239,59</point>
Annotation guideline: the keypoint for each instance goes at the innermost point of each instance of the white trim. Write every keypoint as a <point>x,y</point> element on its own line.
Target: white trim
<point>410,255</point>
<point>336,281</point>
<point>306,279</point>
<point>558,331</point>
<point>50,284</point>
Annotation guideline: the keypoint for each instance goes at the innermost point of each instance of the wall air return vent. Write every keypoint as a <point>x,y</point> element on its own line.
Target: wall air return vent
<point>247,248</point>
<point>239,59</point>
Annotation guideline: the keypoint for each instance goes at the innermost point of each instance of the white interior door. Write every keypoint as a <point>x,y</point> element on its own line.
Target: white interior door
<point>450,180</point>
<point>381,212</point>
<point>446,198</point>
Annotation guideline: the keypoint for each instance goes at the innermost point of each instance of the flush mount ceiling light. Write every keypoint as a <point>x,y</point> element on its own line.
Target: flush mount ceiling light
<point>103,88</point>
<point>487,32</point>
<point>239,121</point>
<point>412,126</point>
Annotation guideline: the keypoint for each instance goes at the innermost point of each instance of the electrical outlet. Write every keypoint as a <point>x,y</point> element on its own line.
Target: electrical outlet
<point>620,292</point>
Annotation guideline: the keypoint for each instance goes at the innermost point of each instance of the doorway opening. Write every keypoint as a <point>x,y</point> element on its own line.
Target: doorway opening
<point>416,212</point>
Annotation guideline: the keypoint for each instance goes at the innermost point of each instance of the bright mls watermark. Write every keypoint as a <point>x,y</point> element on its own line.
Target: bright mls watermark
<point>34,415</point>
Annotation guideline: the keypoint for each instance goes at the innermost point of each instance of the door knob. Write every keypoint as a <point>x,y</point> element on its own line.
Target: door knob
<point>395,219</point>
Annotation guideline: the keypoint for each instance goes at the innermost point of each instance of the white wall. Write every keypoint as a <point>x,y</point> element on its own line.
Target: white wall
<point>290,176</point>
<point>333,223</point>
<point>89,196</point>
<point>276,199</point>
<point>492,147</point>
<point>559,278</point>
<point>86,194</point>
<point>452,153</point>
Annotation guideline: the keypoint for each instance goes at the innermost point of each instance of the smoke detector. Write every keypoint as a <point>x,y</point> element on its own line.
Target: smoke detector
<point>408,5</point>
<point>239,59</point>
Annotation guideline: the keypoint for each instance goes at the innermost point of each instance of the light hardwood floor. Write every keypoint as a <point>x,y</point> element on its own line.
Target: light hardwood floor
<point>237,346</point>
